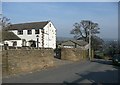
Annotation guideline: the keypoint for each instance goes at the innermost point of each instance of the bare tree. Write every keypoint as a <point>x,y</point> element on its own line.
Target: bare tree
<point>4,22</point>
<point>81,30</point>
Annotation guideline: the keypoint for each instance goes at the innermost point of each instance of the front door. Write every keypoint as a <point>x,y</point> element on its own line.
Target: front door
<point>33,44</point>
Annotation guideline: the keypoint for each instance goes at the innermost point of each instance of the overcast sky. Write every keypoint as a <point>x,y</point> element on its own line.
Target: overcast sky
<point>64,15</point>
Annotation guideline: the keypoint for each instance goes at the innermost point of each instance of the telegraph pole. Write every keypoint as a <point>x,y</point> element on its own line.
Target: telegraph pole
<point>90,41</point>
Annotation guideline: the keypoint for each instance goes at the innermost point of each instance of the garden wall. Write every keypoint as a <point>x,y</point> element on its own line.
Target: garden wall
<point>20,61</point>
<point>74,54</point>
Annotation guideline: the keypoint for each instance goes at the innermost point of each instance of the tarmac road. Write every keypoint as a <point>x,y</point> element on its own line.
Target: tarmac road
<point>97,71</point>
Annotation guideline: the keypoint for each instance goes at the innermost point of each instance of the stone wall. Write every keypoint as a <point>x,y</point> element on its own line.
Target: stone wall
<point>74,54</point>
<point>20,61</point>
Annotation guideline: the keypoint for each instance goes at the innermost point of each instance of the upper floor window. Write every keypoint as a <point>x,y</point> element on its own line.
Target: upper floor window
<point>50,25</point>
<point>29,31</point>
<point>42,30</point>
<point>20,32</point>
<point>37,31</point>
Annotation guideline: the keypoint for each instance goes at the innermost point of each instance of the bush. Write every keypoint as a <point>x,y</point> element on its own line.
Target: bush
<point>99,55</point>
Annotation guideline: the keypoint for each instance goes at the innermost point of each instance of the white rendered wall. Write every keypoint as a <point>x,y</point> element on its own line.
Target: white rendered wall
<point>29,37</point>
<point>49,36</point>
<point>10,42</point>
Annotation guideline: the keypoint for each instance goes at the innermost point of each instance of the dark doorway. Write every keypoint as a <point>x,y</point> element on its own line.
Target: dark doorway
<point>57,53</point>
<point>32,43</point>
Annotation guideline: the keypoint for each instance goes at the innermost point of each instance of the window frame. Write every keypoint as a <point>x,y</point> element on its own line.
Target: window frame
<point>37,31</point>
<point>14,43</point>
<point>29,32</point>
<point>20,32</point>
<point>50,25</point>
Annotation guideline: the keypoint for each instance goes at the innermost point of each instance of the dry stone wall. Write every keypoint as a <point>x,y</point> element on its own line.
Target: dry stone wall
<point>74,54</point>
<point>20,61</point>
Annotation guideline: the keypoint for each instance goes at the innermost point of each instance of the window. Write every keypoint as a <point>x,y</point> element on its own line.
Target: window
<point>50,25</point>
<point>29,31</point>
<point>37,31</point>
<point>14,43</point>
<point>24,42</point>
<point>42,30</point>
<point>20,32</point>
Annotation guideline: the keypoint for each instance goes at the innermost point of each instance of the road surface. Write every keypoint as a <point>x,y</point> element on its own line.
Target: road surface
<point>98,71</point>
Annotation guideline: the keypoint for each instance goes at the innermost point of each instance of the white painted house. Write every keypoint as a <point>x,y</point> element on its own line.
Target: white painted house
<point>34,34</point>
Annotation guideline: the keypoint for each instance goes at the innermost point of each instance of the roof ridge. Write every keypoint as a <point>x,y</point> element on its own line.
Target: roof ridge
<point>31,22</point>
<point>27,25</point>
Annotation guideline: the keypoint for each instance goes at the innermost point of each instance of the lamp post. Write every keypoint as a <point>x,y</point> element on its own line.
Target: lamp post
<point>37,41</point>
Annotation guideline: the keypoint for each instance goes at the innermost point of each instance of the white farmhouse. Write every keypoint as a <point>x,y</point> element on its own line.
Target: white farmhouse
<point>8,37</point>
<point>35,34</point>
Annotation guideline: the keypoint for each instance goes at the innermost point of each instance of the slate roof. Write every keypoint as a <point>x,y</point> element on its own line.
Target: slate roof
<point>80,42</point>
<point>5,35</point>
<point>31,25</point>
<point>73,42</point>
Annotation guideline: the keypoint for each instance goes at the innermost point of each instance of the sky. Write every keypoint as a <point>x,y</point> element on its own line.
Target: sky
<point>65,14</point>
<point>60,0</point>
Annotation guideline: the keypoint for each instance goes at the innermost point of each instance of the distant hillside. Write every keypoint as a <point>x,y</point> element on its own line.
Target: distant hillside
<point>70,38</point>
<point>108,39</point>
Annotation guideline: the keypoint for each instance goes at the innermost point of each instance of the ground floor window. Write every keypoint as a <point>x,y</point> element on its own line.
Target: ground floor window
<point>14,43</point>
<point>24,42</point>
